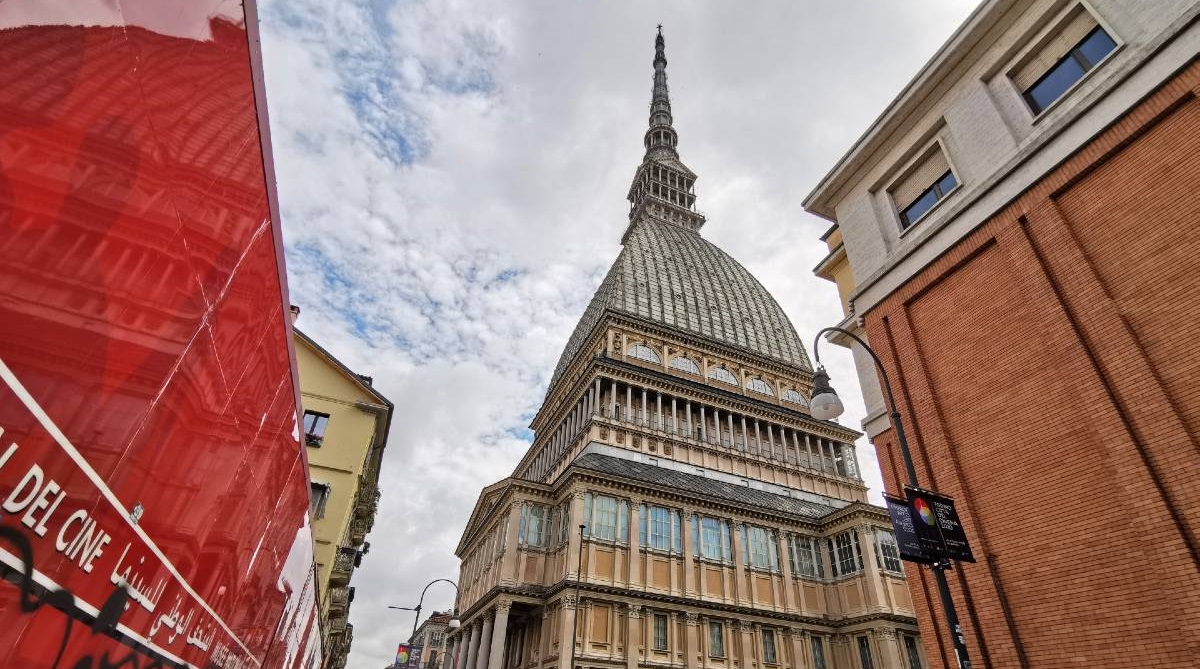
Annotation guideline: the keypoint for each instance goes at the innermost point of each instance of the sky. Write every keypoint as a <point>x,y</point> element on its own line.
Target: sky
<point>452,177</point>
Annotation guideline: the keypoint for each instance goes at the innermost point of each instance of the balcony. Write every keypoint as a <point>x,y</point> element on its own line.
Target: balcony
<point>367,501</point>
<point>358,531</point>
<point>337,625</point>
<point>343,567</point>
<point>339,603</point>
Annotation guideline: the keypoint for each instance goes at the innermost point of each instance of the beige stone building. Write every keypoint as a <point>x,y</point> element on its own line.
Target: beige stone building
<point>723,526</point>
<point>345,429</point>
<point>429,641</point>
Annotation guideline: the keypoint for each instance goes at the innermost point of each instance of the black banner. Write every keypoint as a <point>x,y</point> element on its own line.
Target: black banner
<point>906,535</point>
<point>937,526</point>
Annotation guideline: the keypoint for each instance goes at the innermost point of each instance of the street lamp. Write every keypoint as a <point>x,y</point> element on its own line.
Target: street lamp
<point>454,623</point>
<point>826,405</point>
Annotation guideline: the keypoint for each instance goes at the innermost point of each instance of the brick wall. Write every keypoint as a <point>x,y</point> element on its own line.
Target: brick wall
<point>1048,376</point>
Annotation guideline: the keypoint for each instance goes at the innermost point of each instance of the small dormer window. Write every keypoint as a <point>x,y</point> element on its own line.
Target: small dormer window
<point>643,352</point>
<point>685,364</point>
<point>794,396</point>
<point>723,375</point>
<point>759,386</point>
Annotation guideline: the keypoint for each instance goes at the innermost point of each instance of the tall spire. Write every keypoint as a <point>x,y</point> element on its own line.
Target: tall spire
<point>661,137</point>
<point>662,189</point>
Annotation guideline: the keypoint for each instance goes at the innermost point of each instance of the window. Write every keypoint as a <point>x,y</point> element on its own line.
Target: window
<point>1078,46</point>
<point>685,364</point>
<point>660,631</point>
<point>605,517</point>
<point>818,653</point>
<point>769,656</point>
<point>314,428</point>
<point>660,528</point>
<point>844,554</point>
<point>793,396</point>
<point>711,538</point>
<point>534,527</point>
<point>716,640</point>
<point>760,547</point>
<point>760,386</point>
<point>888,551</point>
<point>643,352</point>
<point>318,494</point>
<point>864,653</point>
<point>914,654</point>
<point>723,375</point>
<point>805,557</point>
<point>927,182</point>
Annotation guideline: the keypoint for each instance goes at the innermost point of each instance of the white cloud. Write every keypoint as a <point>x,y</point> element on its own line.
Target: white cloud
<point>452,177</point>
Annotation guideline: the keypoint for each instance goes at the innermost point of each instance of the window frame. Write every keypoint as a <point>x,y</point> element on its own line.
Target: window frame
<point>312,438</point>
<point>716,644</point>
<point>1082,61</point>
<point>654,633</point>
<point>770,651</point>
<point>654,359</point>
<point>694,369</point>
<point>865,657</point>
<point>885,540</point>
<point>798,400</point>
<point>715,369</point>
<point>765,386</point>
<point>934,188</point>
<point>912,651</point>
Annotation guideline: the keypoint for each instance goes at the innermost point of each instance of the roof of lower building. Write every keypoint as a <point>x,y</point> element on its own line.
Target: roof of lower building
<point>693,483</point>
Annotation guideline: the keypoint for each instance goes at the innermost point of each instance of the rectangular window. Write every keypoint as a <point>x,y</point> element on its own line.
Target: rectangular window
<point>864,653</point>
<point>849,560</point>
<point>768,637</point>
<point>711,538</point>
<point>318,494</point>
<point>534,528</point>
<point>606,517</point>
<point>716,640</point>
<point>818,653</point>
<point>763,550</point>
<point>314,428</point>
<point>1077,47</point>
<point>928,181</point>
<point>889,551</point>
<point>805,556</point>
<point>914,654</point>
<point>660,528</point>
<point>660,631</point>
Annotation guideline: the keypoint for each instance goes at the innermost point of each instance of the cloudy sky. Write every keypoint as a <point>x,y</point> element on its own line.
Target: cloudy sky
<point>452,178</point>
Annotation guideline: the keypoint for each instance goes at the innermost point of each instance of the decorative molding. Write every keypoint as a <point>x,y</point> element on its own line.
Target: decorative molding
<point>691,618</point>
<point>745,627</point>
<point>633,610</point>
<point>886,632</point>
<point>567,602</point>
<point>503,605</point>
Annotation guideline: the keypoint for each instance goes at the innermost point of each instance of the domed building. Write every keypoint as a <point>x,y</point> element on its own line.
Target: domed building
<point>679,507</point>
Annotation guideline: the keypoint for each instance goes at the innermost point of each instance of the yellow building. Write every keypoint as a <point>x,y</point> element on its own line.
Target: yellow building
<point>345,428</point>
<point>723,527</point>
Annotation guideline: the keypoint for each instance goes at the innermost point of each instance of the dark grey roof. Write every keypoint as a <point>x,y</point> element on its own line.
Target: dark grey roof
<point>692,483</point>
<point>671,275</point>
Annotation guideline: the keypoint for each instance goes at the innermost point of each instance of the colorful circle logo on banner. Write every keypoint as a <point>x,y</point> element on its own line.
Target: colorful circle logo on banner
<point>925,512</point>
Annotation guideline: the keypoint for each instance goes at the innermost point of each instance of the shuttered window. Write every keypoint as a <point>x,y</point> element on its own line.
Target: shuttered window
<point>1078,46</point>
<point>928,182</point>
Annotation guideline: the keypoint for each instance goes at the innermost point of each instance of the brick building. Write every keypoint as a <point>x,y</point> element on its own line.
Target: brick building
<point>1017,237</point>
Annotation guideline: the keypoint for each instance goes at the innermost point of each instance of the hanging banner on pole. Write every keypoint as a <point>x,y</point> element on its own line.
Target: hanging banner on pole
<point>937,525</point>
<point>906,533</point>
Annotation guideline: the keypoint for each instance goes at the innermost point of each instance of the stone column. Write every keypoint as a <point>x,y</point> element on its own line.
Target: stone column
<point>573,543</point>
<point>693,652</point>
<point>746,641</point>
<point>635,545</point>
<point>800,658</point>
<point>499,635</point>
<point>732,436</point>
<point>508,562</point>
<point>875,596</point>
<point>891,655</point>
<point>745,434</point>
<point>450,659</point>
<point>467,659</point>
<point>674,418</point>
<point>739,562</point>
<point>633,640</point>
<point>689,571</point>
<point>612,401</point>
<point>757,438</point>
<point>658,412</point>
<point>485,642</point>
<point>703,425</point>
<point>628,403</point>
<point>645,411</point>
<point>568,612</point>
<point>785,566</point>
<point>687,408</point>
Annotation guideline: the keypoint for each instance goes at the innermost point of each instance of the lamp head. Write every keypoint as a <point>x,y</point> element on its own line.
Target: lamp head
<point>825,404</point>
<point>454,623</point>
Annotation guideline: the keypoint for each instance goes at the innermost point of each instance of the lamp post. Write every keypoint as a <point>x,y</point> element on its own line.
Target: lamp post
<point>454,621</point>
<point>826,405</point>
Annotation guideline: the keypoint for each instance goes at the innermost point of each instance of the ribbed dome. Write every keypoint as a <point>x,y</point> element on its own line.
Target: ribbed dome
<point>672,276</point>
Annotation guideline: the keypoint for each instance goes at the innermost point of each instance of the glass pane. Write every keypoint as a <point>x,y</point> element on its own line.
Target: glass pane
<point>917,209</point>
<point>1096,46</point>
<point>1056,82</point>
<point>946,183</point>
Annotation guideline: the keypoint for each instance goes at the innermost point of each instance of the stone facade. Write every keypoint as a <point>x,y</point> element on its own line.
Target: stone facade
<point>723,526</point>
<point>1035,324</point>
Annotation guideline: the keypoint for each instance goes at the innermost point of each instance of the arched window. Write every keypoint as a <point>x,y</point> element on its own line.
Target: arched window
<point>791,395</point>
<point>723,375</point>
<point>760,386</point>
<point>684,364</point>
<point>643,352</point>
